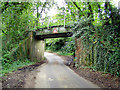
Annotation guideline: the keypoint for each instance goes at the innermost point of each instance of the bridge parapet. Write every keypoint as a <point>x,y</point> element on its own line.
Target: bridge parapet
<point>53,29</point>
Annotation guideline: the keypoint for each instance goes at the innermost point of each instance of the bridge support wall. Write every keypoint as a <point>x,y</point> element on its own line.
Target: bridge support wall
<point>30,48</point>
<point>36,48</point>
<point>39,49</point>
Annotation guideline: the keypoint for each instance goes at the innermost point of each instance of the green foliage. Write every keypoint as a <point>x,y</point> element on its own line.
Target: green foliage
<point>16,19</point>
<point>103,38</point>
<point>69,46</point>
<point>9,67</point>
<point>15,23</point>
<point>54,44</point>
<point>81,27</point>
<point>62,46</point>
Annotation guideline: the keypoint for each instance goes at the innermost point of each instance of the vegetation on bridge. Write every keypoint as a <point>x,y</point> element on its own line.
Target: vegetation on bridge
<point>95,23</point>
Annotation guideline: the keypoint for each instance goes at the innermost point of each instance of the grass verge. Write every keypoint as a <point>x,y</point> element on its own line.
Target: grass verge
<point>7,68</point>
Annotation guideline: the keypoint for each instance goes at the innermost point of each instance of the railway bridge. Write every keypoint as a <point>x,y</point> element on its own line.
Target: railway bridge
<point>36,41</point>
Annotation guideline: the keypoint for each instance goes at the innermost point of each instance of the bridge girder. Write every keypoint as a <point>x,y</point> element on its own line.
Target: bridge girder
<point>54,35</point>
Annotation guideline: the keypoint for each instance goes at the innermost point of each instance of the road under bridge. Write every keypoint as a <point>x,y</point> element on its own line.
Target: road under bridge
<point>37,44</point>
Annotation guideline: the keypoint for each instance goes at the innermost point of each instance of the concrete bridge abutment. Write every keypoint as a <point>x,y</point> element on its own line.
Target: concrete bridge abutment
<point>36,48</point>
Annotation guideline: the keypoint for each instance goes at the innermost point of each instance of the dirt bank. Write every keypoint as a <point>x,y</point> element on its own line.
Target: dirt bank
<point>17,79</point>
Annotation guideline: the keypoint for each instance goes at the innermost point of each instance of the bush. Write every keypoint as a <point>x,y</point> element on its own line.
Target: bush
<point>63,46</point>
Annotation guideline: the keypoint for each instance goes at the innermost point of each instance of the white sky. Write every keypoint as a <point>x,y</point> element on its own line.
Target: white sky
<point>53,10</point>
<point>116,2</point>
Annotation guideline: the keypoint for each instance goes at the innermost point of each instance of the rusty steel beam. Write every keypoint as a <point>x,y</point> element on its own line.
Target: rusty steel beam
<point>54,35</point>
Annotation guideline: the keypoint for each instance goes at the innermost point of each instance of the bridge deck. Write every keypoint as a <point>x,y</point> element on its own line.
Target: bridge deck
<point>54,35</point>
<point>53,32</point>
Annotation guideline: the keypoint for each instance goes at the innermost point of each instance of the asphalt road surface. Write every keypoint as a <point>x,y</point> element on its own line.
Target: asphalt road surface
<point>57,75</point>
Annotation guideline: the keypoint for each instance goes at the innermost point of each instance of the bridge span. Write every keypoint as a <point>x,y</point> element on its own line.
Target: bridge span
<point>36,41</point>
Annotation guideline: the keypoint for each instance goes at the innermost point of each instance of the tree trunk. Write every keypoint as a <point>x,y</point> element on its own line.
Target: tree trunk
<point>106,13</point>
<point>100,11</point>
<point>91,12</point>
<point>37,18</point>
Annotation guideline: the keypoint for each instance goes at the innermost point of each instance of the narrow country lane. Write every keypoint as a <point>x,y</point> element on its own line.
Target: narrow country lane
<point>56,75</point>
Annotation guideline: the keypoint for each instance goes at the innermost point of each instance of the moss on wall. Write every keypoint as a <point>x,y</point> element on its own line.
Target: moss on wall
<point>29,48</point>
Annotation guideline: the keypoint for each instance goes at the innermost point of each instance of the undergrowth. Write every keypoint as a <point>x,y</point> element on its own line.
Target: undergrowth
<point>7,68</point>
